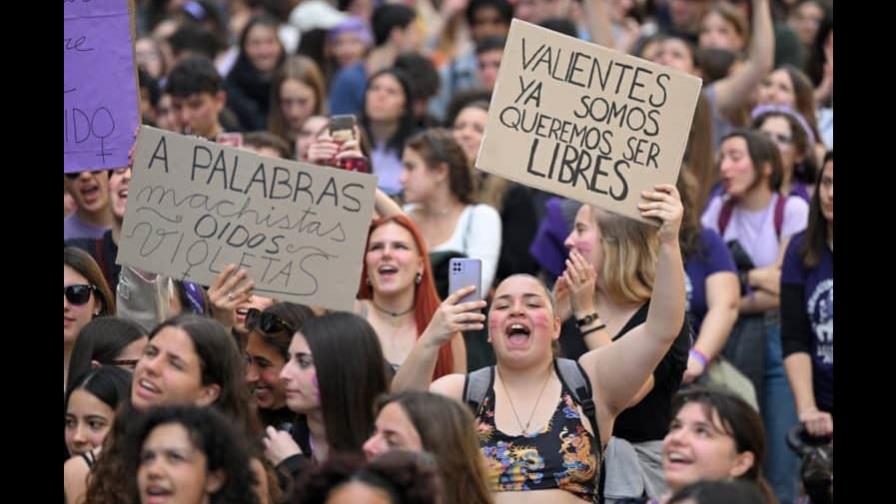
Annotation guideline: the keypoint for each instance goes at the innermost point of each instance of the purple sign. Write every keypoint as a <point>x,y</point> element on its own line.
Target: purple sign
<point>101,107</point>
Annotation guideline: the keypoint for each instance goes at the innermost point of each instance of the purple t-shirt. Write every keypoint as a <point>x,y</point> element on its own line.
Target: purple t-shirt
<point>818,289</point>
<point>73,227</point>
<point>547,247</point>
<point>755,230</point>
<point>387,167</point>
<point>712,257</point>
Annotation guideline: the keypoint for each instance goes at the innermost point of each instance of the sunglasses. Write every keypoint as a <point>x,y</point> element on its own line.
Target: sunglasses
<point>78,294</point>
<point>266,322</point>
<point>129,363</point>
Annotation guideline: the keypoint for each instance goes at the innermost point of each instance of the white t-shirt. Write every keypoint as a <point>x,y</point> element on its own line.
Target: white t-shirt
<point>755,230</point>
<point>478,235</point>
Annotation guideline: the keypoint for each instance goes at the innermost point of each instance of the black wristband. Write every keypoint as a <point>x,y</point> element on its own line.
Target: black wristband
<point>587,319</point>
<point>593,329</point>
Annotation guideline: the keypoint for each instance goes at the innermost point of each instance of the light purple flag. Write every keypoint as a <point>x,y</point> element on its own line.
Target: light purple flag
<point>101,106</point>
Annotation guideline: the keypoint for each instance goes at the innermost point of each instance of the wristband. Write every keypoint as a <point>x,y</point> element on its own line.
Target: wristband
<point>593,329</point>
<point>699,357</point>
<point>587,319</point>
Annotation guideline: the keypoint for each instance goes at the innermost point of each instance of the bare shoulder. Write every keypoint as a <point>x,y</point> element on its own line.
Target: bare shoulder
<point>451,385</point>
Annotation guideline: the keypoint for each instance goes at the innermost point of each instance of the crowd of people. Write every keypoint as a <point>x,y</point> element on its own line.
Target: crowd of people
<point>608,360</point>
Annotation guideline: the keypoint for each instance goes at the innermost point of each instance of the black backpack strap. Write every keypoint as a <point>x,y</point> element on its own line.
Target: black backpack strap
<point>476,386</point>
<point>576,381</point>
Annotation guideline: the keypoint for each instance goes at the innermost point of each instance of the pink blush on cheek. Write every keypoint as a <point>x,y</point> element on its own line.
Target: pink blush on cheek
<point>541,320</point>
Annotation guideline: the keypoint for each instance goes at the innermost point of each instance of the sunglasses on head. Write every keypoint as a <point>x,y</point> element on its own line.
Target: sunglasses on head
<point>78,294</point>
<point>266,322</point>
<point>128,363</point>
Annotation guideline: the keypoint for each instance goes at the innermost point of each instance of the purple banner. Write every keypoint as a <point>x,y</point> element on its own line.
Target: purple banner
<point>101,107</point>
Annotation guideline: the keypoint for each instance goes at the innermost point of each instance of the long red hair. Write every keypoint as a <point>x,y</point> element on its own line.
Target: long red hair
<point>426,299</point>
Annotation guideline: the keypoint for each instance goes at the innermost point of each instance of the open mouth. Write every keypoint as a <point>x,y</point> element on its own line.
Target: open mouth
<point>518,333</point>
<point>156,494</point>
<point>91,192</point>
<point>147,389</point>
<point>387,271</point>
<point>676,458</point>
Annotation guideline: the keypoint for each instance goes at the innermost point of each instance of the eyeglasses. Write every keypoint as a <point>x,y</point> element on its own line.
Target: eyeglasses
<point>266,322</point>
<point>78,294</point>
<point>129,363</point>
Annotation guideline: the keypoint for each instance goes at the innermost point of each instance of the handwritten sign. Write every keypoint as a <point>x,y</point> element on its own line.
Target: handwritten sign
<point>100,95</point>
<point>195,206</point>
<point>585,122</point>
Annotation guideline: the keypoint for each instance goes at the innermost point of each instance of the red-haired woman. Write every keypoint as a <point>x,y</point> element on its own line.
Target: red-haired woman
<point>398,296</point>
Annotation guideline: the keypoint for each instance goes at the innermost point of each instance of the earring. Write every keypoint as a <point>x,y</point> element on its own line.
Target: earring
<point>369,283</point>
<point>418,278</point>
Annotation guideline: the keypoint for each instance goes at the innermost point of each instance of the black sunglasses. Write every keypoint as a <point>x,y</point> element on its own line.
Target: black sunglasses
<point>78,294</point>
<point>266,322</point>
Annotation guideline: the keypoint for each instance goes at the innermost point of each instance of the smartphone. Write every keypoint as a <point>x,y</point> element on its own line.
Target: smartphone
<point>463,272</point>
<point>342,127</point>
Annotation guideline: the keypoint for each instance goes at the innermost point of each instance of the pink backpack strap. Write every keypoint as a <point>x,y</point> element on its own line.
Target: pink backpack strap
<point>725,215</point>
<point>779,215</point>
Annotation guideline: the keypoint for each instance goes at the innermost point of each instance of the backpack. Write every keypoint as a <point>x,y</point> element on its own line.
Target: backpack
<point>728,209</point>
<point>572,377</point>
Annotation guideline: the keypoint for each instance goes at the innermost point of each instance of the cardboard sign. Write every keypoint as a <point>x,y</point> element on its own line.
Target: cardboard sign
<point>195,206</point>
<point>585,122</point>
<point>101,104</point>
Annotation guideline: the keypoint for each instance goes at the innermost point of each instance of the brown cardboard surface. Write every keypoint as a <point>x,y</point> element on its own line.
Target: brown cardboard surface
<point>586,122</point>
<point>195,206</point>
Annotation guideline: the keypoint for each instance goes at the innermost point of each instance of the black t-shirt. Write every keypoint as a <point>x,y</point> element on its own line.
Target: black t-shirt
<point>649,419</point>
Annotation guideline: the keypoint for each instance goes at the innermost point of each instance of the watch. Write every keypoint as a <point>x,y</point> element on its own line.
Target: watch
<point>587,319</point>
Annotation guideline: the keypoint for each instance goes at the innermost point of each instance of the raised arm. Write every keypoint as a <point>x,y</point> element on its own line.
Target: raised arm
<point>619,370</point>
<point>734,90</point>
<point>450,319</point>
<point>597,17</point>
